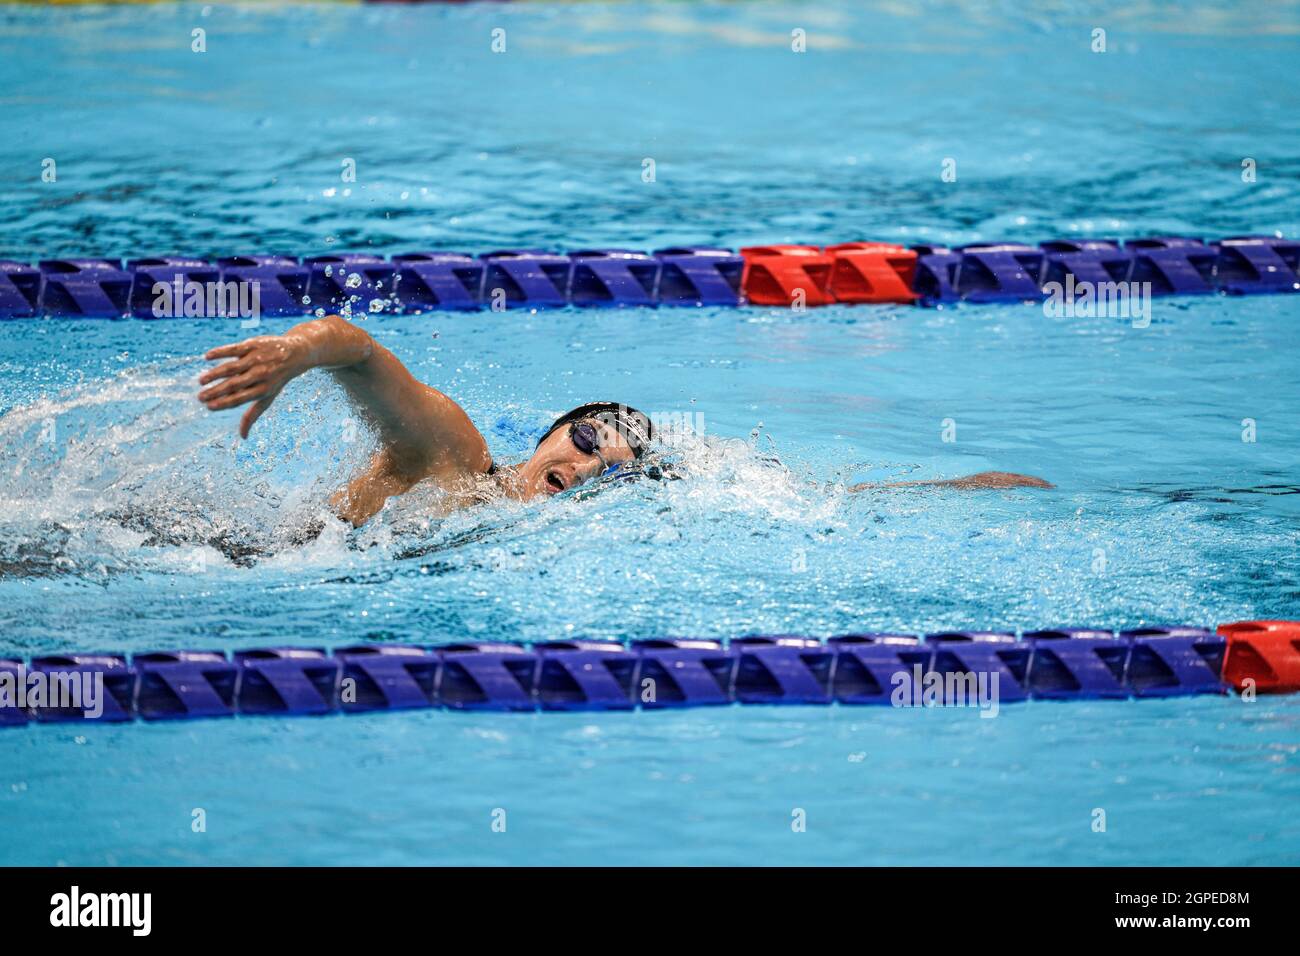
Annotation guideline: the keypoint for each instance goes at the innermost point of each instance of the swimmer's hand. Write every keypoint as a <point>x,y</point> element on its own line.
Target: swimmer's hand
<point>984,479</point>
<point>258,368</point>
<point>996,479</point>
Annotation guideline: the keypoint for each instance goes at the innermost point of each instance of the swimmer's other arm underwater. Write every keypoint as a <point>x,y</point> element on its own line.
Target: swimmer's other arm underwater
<point>424,435</point>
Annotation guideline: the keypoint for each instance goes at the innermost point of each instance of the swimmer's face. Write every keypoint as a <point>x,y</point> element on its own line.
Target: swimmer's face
<point>559,464</point>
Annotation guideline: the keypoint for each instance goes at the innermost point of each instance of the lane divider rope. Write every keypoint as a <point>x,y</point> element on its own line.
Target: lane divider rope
<point>935,669</point>
<point>776,275</point>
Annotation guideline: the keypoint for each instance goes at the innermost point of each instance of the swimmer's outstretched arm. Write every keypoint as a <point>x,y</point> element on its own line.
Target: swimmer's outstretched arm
<point>422,432</point>
<point>985,479</point>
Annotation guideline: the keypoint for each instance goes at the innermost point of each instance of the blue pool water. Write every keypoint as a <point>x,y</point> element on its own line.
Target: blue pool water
<point>132,519</point>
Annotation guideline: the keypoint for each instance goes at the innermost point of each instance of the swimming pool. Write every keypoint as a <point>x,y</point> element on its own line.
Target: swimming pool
<point>131,519</point>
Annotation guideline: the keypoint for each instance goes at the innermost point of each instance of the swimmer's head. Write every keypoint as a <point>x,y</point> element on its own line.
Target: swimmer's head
<point>582,445</point>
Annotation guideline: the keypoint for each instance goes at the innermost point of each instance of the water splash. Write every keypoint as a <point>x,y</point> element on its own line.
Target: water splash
<point>113,473</point>
<point>131,473</point>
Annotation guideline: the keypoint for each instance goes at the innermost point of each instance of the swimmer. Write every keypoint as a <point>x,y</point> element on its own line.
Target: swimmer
<point>424,435</point>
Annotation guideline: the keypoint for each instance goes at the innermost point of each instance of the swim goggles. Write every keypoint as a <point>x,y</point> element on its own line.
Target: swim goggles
<point>586,439</point>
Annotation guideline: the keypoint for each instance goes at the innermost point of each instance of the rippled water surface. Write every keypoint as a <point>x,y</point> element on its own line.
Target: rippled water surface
<point>132,519</point>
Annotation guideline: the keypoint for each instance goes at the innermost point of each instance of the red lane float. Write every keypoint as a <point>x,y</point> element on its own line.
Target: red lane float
<point>786,275</point>
<point>850,272</point>
<point>1266,652</point>
<point>874,272</point>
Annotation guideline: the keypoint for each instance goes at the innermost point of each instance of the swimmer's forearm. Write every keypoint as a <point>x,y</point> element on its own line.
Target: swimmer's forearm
<point>420,429</point>
<point>331,343</point>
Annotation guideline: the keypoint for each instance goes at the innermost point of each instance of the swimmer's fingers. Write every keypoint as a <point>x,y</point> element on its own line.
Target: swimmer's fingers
<point>225,371</point>
<point>234,349</point>
<point>253,414</point>
<point>254,376</point>
<point>241,397</point>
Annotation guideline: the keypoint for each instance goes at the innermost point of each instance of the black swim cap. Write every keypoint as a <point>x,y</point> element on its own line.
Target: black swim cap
<point>633,425</point>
